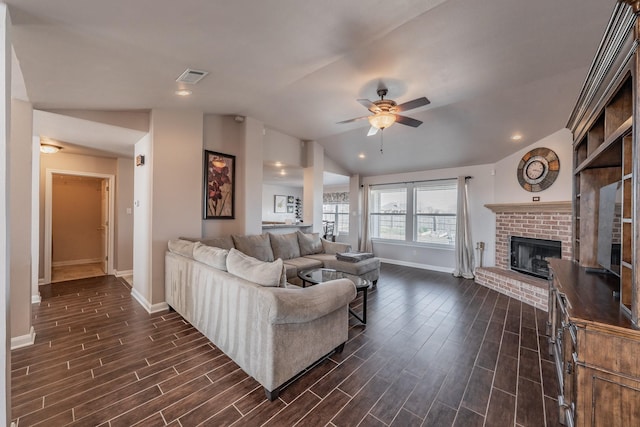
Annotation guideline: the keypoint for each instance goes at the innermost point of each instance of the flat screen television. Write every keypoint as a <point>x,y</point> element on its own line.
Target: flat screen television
<point>610,227</point>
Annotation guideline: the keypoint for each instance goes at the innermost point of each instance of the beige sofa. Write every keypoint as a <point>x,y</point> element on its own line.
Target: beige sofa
<point>272,332</point>
<point>299,251</point>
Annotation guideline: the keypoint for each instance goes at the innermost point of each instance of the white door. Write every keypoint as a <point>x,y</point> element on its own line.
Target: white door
<point>104,224</point>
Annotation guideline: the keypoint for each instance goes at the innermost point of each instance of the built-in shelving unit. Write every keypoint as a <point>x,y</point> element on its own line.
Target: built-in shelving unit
<point>593,325</point>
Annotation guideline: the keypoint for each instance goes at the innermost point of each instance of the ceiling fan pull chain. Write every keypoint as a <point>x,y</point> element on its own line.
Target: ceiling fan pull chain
<point>381,141</point>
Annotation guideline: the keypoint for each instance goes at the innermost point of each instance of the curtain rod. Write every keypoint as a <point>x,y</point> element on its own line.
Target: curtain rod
<point>423,180</point>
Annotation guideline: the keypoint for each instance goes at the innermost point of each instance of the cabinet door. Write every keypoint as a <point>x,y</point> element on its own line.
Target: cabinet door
<point>615,400</point>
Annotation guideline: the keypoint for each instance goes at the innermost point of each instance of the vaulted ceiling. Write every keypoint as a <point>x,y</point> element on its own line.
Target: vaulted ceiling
<point>490,68</point>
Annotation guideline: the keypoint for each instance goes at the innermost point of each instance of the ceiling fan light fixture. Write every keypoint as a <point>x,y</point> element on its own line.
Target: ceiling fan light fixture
<point>382,120</point>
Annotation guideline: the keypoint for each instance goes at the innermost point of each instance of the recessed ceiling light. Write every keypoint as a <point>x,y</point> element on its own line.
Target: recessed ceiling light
<point>49,148</point>
<point>516,137</point>
<point>361,155</point>
<point>183,92</point>
<point>283,172</point>
<point>278,164</point>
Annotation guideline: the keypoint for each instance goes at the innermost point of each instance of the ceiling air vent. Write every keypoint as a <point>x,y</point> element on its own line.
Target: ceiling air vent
<point>191,76</point>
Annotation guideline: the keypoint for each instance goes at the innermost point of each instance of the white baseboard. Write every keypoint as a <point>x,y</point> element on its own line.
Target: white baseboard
<point>151,308</point>
<point>23,340</point>
<point>35,299</point>
<point>41,282</point>
<point>75,262</point>
<point>123,273</point>
<point>417,265</point>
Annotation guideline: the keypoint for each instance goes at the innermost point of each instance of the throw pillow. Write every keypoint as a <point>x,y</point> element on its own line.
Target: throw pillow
<point>309,243</point>
<point>214,257</point>
<point>254,270</point>
<point>285,246</point>
<point>257,246</point>
<point>181,247</point>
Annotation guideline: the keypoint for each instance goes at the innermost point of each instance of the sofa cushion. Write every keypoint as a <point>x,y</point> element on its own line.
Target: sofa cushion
<point>284,246</point>
<point>309,243</point>
<point>219,242</point>
<point>290,271</point>
<point>323,258</point>
<point>355,268</point>
<point>303,263</point>
<point>257,246</point>
<point>254,270</point>
<point>181,247</point>
<point>214,257</point>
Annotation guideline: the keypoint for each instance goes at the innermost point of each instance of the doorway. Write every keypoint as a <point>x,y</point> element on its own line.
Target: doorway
<point>78,230</point>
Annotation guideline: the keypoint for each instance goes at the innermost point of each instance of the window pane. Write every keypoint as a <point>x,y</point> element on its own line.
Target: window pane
<point>338,213</point>
<point>388,213</point>
<point>389,200</point>
<point>388,226</point>
<point>435,209</point>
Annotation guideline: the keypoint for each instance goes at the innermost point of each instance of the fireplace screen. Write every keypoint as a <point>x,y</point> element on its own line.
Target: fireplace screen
<point>528,255</point>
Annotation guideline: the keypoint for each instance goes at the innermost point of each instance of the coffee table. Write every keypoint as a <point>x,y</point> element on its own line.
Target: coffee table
<point>314,276</point>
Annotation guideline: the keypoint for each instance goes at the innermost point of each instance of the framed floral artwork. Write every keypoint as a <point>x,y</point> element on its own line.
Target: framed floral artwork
<point>219,185</point>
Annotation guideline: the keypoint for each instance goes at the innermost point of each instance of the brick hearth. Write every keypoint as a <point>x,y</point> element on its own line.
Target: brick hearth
<point>551,221</point>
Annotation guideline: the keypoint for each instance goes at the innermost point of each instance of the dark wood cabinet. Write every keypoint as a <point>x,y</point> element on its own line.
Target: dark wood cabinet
<point>593,316</point>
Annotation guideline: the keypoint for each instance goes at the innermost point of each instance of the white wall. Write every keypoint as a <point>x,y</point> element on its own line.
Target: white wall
<point>142,219</point>
<point>506,186</point>
<point>268,191</point>
<point>482,220</point>
<point>279,147</point>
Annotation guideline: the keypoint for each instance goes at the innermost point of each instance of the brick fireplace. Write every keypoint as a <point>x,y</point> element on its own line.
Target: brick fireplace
<point>541,220</point>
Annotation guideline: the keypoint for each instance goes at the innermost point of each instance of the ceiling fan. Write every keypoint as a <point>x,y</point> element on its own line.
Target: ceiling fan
<point>384,112</point>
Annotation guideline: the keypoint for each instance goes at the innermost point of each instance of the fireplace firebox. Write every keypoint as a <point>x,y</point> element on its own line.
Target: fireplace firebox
<point>528,255</point>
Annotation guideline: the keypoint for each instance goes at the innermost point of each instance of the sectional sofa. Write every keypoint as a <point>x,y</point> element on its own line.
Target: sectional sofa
<point>245,307</point>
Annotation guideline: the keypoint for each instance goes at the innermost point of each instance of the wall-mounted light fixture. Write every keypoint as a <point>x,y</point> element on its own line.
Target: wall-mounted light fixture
<point>139,160</point>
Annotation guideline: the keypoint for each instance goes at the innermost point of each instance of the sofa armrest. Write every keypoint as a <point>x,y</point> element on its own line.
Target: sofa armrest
<point>334,247</point>
<point>307,304</point>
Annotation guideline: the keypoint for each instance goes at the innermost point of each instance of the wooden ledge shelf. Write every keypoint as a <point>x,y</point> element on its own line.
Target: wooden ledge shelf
<point>562,206</point>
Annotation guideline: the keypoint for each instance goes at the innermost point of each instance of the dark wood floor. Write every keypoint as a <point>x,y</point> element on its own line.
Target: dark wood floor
<point>437,351</point>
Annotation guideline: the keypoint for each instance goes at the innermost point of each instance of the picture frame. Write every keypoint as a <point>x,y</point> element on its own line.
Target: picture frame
<point>290,199</point>
<point>290,209</point>
<point>279,204</point>
<point>219,185</point>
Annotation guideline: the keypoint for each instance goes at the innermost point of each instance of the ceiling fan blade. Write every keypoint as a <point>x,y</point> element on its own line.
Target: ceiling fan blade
<point>352,120</point>
<point>369,105</point>
<point>408,121</point>
<point>372,131</point>
<point>410,105</point>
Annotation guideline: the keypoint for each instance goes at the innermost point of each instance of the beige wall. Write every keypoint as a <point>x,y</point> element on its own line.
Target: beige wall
<point>76,212</point>
<point>20,176</point>
<point>124,216</point>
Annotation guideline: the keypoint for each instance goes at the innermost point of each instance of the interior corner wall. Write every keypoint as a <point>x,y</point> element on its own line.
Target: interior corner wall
<point>176,137</point>
<point>283,148</point>
<point>268,201</point>
<point>355,211</point>
<point>69,162</point>
<point>506,186</point>
<point>5,118</point>
<point>124,215</point>
<point>142,219</point>
<point>222,134</point>
<point>20,174</point>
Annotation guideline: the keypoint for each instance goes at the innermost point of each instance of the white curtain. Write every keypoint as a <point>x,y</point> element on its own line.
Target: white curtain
<point>365,241</point>
<point>464,243</point>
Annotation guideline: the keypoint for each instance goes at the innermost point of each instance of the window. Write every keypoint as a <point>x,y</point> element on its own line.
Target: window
<point>336,208</point>
<point>388,213</point>
<point>419,212</point>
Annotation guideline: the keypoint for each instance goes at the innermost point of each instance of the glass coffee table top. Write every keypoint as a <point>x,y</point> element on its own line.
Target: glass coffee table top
<point>319,275</point>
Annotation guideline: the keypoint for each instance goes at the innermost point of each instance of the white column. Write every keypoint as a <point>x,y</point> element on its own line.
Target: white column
<point>313,186</point>
<point>250,206</point>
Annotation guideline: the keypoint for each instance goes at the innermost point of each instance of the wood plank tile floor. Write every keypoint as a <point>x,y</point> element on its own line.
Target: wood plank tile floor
<point>437,351</point>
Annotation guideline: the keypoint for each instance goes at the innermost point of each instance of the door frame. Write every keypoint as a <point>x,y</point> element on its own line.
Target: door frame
<point>48,212</point>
